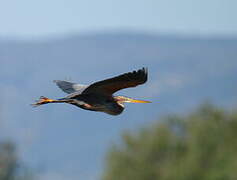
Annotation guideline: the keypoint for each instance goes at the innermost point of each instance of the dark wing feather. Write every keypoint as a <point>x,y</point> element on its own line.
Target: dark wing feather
<point>110,86</point>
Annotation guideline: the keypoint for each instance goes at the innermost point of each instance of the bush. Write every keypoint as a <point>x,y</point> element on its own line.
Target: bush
<point>199,146</point>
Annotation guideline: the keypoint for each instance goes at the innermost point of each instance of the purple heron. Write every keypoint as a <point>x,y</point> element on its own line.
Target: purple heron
<point>99,95</point>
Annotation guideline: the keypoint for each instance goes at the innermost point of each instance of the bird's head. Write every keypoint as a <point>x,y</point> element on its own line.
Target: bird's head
<point>123,99</point>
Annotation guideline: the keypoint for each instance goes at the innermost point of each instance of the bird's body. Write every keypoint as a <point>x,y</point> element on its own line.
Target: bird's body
<point>99,96</point>
<point>96,102</point>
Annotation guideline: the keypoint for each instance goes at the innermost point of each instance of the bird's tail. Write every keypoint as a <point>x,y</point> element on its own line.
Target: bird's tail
<point>44,100</point>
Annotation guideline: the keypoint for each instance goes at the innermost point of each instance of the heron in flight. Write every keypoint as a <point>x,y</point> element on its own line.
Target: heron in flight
<point>99,95</point>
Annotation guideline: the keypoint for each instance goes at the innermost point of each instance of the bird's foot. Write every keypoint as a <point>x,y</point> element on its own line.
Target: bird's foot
<point>42,100</point>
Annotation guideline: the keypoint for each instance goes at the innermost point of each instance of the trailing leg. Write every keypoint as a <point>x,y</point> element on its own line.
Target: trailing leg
<point>45,100</point>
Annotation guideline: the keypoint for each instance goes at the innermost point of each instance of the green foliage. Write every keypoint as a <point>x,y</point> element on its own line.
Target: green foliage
<point>10,167</point>
<point>8,164</point>
<point>199,146</point>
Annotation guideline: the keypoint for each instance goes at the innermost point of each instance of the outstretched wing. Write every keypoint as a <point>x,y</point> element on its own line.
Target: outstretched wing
<point>69,87</point>
<point>110,86</point>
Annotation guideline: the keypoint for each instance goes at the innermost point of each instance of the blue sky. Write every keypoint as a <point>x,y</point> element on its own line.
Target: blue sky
<point>25,18</point>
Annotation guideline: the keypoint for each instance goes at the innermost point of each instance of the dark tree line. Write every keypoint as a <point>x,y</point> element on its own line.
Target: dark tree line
<point>201,145</point>
<point>10,166</point>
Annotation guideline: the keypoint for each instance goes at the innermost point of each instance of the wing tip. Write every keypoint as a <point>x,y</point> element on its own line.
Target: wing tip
<point>141,74</point>
<point>145,69</point>
<point>57,81</point>
<point>145,73</point>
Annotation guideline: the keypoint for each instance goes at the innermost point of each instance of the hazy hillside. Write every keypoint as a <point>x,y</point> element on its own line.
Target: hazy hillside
<point>182,73</point>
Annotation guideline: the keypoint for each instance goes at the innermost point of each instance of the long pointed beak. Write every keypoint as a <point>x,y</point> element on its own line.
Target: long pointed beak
<point>137,101</point>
